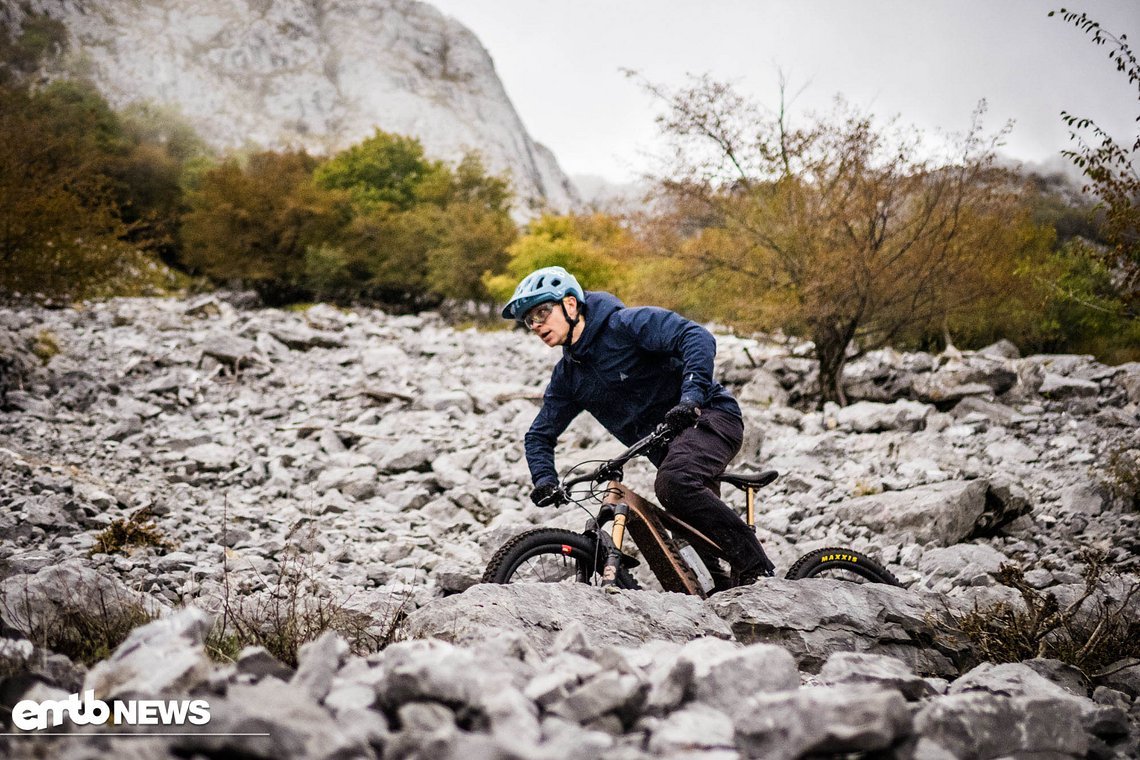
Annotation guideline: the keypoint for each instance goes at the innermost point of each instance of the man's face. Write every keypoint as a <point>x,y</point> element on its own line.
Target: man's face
<point>549,323</point>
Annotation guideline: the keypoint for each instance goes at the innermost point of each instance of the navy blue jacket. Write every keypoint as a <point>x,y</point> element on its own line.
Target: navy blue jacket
<point>629,367</point>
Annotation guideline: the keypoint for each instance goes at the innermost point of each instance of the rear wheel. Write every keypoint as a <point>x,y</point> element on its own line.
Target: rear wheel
<point>841,564</point>
<point>550,555</point>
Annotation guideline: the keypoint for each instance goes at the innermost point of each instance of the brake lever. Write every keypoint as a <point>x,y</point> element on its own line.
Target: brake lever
<point>556,499</point>
<point>612,473</point>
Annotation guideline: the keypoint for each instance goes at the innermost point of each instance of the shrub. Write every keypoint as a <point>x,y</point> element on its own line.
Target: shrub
<point>137,530</point>
<point>1089,632</point>
<point>45,345</point>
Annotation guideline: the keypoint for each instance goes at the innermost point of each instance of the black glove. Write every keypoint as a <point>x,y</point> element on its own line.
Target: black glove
<point>544,495</point>
<point>683,415</point>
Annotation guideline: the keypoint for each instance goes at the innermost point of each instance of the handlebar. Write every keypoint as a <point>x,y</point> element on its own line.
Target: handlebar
<point>612,468</point>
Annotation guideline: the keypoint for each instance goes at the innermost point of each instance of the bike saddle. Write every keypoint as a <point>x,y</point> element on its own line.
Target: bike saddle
<point>746,480</point>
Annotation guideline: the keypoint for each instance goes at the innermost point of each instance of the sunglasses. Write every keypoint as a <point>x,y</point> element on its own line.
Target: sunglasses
<point>538,315</point>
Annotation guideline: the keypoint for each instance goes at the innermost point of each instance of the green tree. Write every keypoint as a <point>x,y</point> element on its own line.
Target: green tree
<point>1112,169</point>
<point>421,231</point>
<point>385,169</point>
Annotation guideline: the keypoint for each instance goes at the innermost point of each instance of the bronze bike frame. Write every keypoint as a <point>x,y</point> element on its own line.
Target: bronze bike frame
<point>651,527</point>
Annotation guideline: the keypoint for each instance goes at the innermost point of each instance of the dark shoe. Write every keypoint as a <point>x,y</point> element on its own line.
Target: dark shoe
<point>748,577</point>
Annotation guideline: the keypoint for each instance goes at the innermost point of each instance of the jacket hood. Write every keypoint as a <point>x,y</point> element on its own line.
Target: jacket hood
<point>599,306</point>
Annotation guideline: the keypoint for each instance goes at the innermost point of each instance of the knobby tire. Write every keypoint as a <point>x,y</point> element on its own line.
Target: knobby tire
<point>579,547</point>
<point>821,561</point>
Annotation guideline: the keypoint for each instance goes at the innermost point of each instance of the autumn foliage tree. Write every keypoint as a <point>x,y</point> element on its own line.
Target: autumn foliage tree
<point>253,224</point>
<point>839,228</point>
<point>74,213</point>
<point>597,248</point>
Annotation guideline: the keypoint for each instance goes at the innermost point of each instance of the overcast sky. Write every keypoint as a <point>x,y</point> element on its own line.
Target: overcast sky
<point>926,61</point>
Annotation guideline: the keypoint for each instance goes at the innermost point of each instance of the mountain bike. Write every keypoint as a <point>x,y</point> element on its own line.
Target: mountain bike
<point>682,558</point>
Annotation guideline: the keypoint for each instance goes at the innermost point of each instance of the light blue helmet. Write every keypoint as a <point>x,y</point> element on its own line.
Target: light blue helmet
<point>540,286</point>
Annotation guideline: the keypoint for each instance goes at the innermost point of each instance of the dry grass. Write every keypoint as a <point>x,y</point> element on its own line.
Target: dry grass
<point>86,625</point>
<point>294,607</point>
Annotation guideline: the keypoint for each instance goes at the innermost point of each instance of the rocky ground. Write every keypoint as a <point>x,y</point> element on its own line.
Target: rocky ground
<point>378,458</point>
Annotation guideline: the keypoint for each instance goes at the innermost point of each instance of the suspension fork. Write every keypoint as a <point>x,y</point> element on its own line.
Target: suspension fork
<point>751,501</point>
<point>613,553</point>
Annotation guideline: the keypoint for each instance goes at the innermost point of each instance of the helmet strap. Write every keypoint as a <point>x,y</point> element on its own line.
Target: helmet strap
<point>572,322</point>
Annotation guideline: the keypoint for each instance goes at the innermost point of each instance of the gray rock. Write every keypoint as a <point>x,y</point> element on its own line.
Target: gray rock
<point>693,729</point>
<point>539,611</point>
<point>35,604</point>
<point>986,725</point>
<point>961,563</point>
<point>1068,677</point>
<point>564,671</point>
<point>18,365</point>
<point>443,400</point>
<point>876,670</point>
<point>812,619</point>
<point>1023,681</point>
<point>419,671</point>
<point>1060,387</point>
<point>1002,349</point>
<point>1084,499</point>
<point>426,730</point>
<point>162,657</point>
<point>998,414</point>
<point>212,456</point>
<point>763,389</point>
<point>259,663</point>
<point>268,719</point>
<point>401,456</point>
<point>357,482</point>
<point>1123,676</point>
<point>229,350</point>
<point>821,721</point>
<point>871,417</point>
<point>317,663</point>
<point>605,693</point>
<point>1011,451</point>
<point>942,513</point>
<point>303,338</point>
<point>723,671</point>
<point>383,358</point>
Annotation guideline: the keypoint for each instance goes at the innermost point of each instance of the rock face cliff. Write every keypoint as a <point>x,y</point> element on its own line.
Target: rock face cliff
<point>318,74</point>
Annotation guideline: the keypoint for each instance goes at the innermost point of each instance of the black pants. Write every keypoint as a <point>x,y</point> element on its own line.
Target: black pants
<point>687,487</point>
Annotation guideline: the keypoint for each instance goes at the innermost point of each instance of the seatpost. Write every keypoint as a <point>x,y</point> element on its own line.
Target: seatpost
<point>751,499</point>
<point>613,559</point>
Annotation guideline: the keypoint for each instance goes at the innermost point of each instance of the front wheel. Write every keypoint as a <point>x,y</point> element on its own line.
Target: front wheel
<point>551,555</point>
<point>842,564</point>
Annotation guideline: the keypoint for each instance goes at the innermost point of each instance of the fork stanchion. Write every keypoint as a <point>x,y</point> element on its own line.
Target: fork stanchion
<point>613,558</point>
<point>752,509</point>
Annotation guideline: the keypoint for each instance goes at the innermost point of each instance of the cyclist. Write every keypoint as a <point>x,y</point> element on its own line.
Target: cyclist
<point>633,368</point>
